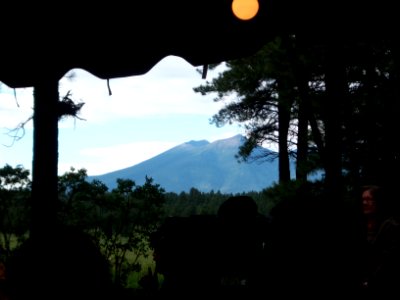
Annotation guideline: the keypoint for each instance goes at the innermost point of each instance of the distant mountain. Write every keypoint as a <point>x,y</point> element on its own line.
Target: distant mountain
<point>203,165</point>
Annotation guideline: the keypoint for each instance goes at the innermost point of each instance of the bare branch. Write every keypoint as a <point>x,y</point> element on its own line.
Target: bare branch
<point>18,132</point>
<point>66,107</point>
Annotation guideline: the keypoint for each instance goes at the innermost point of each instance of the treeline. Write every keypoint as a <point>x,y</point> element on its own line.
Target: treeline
<point>120,221</point>
<point>196,202</point>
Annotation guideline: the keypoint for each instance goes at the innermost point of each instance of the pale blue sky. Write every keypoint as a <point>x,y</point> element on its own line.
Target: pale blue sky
<point>145,115</point>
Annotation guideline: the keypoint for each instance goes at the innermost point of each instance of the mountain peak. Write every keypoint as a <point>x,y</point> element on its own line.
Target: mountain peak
<point>234,141</point>
<point>197,143</point>
<point>202,165</point>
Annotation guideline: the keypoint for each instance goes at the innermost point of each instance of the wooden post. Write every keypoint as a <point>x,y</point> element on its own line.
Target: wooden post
<point>45,157</point>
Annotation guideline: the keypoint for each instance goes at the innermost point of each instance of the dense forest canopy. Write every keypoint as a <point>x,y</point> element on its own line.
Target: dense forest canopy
<point>331,104</point>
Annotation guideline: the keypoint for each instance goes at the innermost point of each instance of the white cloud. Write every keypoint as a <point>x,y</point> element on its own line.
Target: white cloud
<point>145,116</point>
<point>158,92</point>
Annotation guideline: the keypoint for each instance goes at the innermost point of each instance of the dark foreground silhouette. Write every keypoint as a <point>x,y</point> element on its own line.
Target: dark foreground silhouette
<point>66,265</point>
<point>216,255</point>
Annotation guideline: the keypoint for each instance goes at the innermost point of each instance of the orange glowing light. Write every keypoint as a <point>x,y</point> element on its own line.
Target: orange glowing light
<point>245,9</point>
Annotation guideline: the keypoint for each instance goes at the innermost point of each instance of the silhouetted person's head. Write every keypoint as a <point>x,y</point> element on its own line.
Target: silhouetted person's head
<point>238,208</point>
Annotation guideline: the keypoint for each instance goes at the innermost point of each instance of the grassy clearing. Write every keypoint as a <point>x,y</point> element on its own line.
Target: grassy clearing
<point>146,263</point>
<point>133,278</point>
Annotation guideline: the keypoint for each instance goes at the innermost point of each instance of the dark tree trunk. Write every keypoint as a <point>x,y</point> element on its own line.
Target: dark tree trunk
<point>391,152</point>
<point>307,117</point>
<point>305,112</point>
<point>284,165</point>
<point>284,105</point>
<point>335,81</point>
<point>302,142</point>
<point>45,157</point>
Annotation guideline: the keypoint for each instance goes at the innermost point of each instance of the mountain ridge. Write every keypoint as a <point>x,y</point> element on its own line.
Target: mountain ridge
<point>202,165</point>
